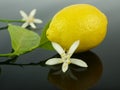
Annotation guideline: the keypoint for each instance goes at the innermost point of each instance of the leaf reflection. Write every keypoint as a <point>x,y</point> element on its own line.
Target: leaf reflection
<point>4,28</point>
<point>12,61</point>
<point>78,78</point>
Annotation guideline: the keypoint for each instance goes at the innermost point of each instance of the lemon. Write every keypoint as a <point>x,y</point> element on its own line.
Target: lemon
<point>82,22</point>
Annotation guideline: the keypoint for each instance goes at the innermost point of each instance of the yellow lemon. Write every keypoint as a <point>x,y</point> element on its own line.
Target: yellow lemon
<point>82,22</point>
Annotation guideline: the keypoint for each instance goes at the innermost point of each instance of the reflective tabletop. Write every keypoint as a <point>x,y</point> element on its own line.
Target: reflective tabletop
<point>29,72</point>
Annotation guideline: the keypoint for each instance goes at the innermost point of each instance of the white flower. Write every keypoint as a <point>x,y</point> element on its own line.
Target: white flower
<point>29,19</point>
<point>65,57</point>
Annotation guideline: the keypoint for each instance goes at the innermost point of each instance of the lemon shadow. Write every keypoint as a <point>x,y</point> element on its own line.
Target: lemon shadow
<point>77,78</point>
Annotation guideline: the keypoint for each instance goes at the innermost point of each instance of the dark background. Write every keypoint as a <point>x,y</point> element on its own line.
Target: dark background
<point>104,60</point>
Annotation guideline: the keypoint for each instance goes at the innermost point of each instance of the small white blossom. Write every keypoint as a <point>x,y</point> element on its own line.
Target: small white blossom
<point>29,19</point>
<point>65,57</point>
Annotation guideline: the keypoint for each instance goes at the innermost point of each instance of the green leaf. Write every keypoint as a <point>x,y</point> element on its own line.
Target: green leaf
<point>44,42</point>
<point>22,39</point>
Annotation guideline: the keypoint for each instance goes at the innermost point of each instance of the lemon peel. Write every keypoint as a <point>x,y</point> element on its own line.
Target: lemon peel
<point>82,22</point>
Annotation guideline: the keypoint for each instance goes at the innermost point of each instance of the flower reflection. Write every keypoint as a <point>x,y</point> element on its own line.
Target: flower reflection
<point>78,78</point>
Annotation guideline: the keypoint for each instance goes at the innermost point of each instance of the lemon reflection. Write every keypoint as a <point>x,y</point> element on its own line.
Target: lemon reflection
<point>77,78</point>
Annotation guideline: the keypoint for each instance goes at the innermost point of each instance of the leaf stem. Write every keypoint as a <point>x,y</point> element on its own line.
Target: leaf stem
<point>9,21</point>
<point>7,55</point>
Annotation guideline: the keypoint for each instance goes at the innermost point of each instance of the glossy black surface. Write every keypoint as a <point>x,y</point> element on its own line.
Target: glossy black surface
<point>104,61</point>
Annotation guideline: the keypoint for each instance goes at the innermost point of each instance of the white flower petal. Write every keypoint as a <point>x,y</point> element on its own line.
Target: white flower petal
<point>73,47</point>
<point>32,13</point>
<point>53,61</point>
<point>65,67</point>
<point>79,62</point>
<point>25,25</point>
<point>37,21</point>
<point>32,25</point>
<point>23,14</point>
<point>58,48</point>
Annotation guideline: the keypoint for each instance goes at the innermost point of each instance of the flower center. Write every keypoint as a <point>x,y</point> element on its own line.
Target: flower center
<point>66,58</point>
<point>30,20</point>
